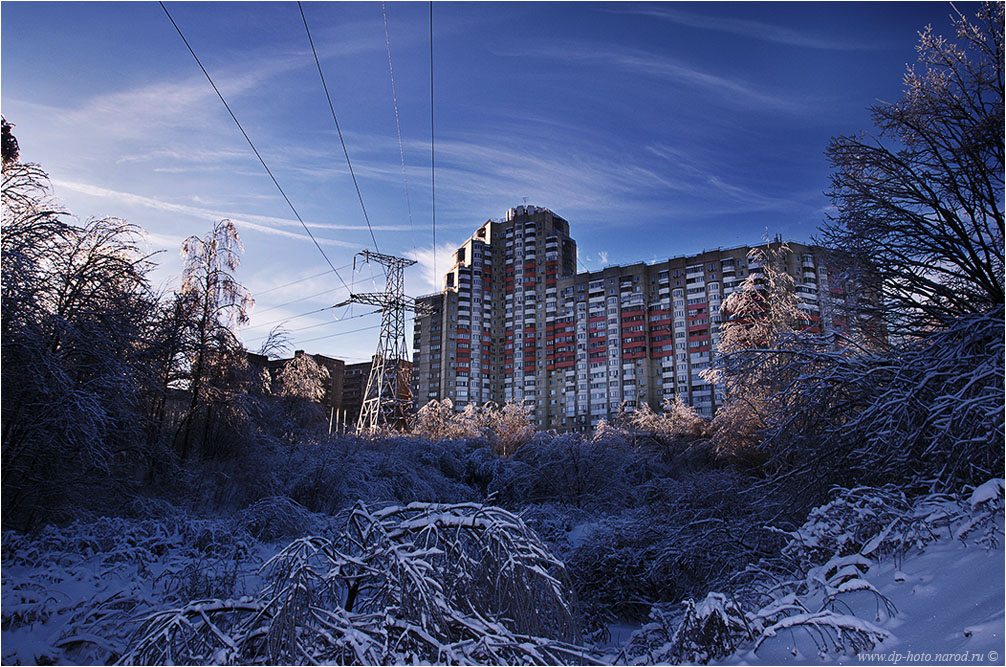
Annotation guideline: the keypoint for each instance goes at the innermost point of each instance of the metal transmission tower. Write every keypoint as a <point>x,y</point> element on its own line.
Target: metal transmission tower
<point>388,399</point>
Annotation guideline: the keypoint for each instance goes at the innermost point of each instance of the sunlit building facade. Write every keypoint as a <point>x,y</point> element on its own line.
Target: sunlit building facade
<point>515,322</point>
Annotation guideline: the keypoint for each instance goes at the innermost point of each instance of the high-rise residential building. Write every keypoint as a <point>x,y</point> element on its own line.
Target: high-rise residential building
<point>484,337</point>
<point>515,322</point>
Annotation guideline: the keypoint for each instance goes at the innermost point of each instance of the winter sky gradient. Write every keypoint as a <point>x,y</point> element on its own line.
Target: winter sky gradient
<point>698,124</point>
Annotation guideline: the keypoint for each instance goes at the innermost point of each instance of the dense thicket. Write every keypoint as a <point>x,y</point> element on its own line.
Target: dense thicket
<point>77,315</point>
<point>109,388</point>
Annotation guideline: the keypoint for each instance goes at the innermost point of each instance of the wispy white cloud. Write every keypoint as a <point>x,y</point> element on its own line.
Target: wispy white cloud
<point>718,183</point>
<point>426,281</point>
<point>162,241</point>
<point>759,30</point>
<point>730,90</point>
<point>245,221</point>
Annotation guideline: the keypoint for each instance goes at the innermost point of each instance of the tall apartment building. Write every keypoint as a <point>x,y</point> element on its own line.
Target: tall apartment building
<point>515,322</point>
<point>484,337</point>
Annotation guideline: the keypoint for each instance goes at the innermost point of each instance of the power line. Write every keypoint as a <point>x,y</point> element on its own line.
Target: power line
<point>303,298</point>
<point>338,129</point>
<point>341,333</point>
<point>398,125</point>
<point>433,153</point>
<point>312,326</point>
<point>252,145</point>
<point>295,282</point>
<point>293,317</point>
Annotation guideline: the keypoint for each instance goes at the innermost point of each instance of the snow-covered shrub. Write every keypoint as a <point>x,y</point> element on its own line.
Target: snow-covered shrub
<point>686,538</point>
<point>403,469</point>
<point>569,470</point>
<point>274,517</point>
<point>74,594</point>
<point>606,433</point>
<point>679,422</point>
<point>448,584</point>
<point>506,428</point>
<point>701,632</point>
<point>816,604</point>
<point>928,414</point>
<point>513,427</point>
<point>328,476</point>
<point>718,626</point>
<point>145,507</point>
<point>831,632</point>
<point>983,515</point>
<point>436,420</point>
<point>875,522</point>
<point>560,527</point>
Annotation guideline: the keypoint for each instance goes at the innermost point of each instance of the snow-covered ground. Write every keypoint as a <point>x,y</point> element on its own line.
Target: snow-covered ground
<point>949,602</point>
<point>926,577</point>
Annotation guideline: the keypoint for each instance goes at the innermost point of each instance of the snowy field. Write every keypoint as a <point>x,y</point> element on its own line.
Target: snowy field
<point>949,603</point>
<point>864,581</point>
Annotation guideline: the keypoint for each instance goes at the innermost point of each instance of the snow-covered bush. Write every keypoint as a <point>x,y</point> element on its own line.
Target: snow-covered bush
<point>275,517</point>
<point>438,420</point>
<point>506,428</point>
<point>701,632</point>
<point>983,515</point>
<point>809,590</point>
<point>454,584</point>
<point>74,594</point>
<point>875,522</point>
<point>330,475</point>
<point>569,470</point>
<point>687,537</point>
<point>929,414</point>
<point>678,421</point>
<point>560,527</point>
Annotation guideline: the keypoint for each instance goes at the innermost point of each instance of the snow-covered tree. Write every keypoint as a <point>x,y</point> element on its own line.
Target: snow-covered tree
<point>761,318</point>
<point>216,303</point>
<point>276,343</point>
<point>920,203</point>
<point>11,153</point>
<point>76,304</point>
<point>303,377</point>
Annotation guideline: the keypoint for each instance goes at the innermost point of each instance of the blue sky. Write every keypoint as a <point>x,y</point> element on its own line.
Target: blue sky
<point>656,129</point>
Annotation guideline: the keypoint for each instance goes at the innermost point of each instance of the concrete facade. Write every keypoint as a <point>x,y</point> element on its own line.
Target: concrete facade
<point>515,322</point>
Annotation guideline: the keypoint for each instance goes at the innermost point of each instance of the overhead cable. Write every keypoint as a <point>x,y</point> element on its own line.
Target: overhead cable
<point>433,153</point>
<point>398,126</point>
<point>252,145</point>
<point>337,127</point>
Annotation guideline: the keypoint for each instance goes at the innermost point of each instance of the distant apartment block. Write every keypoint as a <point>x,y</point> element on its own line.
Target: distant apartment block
<point>333,398</point>
<point>515,322</point>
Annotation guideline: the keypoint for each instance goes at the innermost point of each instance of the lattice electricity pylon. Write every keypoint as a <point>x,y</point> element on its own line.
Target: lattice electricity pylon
<point>388,399</point>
